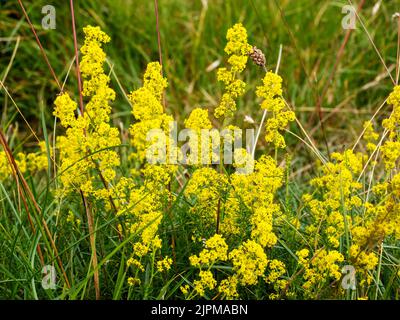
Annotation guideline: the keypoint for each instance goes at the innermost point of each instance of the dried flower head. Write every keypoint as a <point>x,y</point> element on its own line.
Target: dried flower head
<point>258,57</point>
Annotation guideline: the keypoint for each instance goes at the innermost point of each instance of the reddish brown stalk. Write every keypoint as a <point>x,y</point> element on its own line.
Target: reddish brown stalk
<point>158,32</point>
<point>218,216</point>
<point>93,246</point>
<point>28,191</point>
<point>78,70</point>
<point>39,250</point>
<point>21,196</point>
<point>39,44</point>
<point>159,45</point>
<point>120,236</point>
<point>92,232</point>
<point>398,50</point>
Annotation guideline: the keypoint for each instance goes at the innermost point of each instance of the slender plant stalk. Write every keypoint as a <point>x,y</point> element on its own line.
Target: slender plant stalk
<point>92,245</point>
<point>159,46</point>
<point>89,214</point>
<point>218,215</point>
<point>374,45</point>
<point>21,195</point>
<point>398,49</point>
<point>39,44</point>
<point>78,70</point>
<point>158,32</point>
<point>265,111</point>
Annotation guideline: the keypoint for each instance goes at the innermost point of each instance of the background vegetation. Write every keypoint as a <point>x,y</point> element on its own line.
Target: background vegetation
<point>192,38</point>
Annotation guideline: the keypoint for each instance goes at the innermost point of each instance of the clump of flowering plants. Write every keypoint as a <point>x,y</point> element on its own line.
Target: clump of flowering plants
<point>196,214</point>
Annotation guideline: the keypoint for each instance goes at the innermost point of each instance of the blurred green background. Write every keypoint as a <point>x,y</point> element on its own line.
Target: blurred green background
<point>193,37</point>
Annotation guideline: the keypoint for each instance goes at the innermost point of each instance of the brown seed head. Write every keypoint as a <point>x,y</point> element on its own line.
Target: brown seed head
<point>258,57</point>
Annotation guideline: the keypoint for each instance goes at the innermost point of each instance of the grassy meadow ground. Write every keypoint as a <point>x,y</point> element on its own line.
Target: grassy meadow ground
<point>349,82</point>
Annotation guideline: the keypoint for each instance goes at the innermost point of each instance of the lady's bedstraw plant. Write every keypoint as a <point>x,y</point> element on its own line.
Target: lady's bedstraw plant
<point>346,224</point>
<point>242,205</point>
<point>238,50</point>
<point>88,160</point>
<point>210,229</point>
<point>148,202</point>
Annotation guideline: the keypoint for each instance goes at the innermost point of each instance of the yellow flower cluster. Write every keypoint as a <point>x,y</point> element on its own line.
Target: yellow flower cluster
<point>39,160</point>
<point>143,210</point>
<point>364,262</point>
<point>334,208</point>
<point>322,267</point>
<point>261,221</point>
<point>249,262</point>
<point>164,264</point>
<point>370,136</point>
<point>30,162</point>
<point>72,219</point>
<point>243,161</point>
<point>242,199</point>
<point>392,123</point>
<point>205,282</point>
<point>390,153</point>
<point>198,119</point>
<point>237,41</point>
<point>256,192</point>
<point>391,148</point>
<point>5,168</point>
<point>215,250</point>
<point>238,50</point>
<point>228,287</point>
<point>86,150</point>
<point>277,270</point>
<point>380,221</point>
<point>271,92</point>
<point>338,188</point>
<point>146,100</point>
<point>148,111</point>
<point>65,109</point>
<point>134,281</point>
<point>381,218</point>
<point>185,289</point>
<point>234,201</point>
<point>145,203</point>
<point>94,56</point>
<point>207,188</point>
